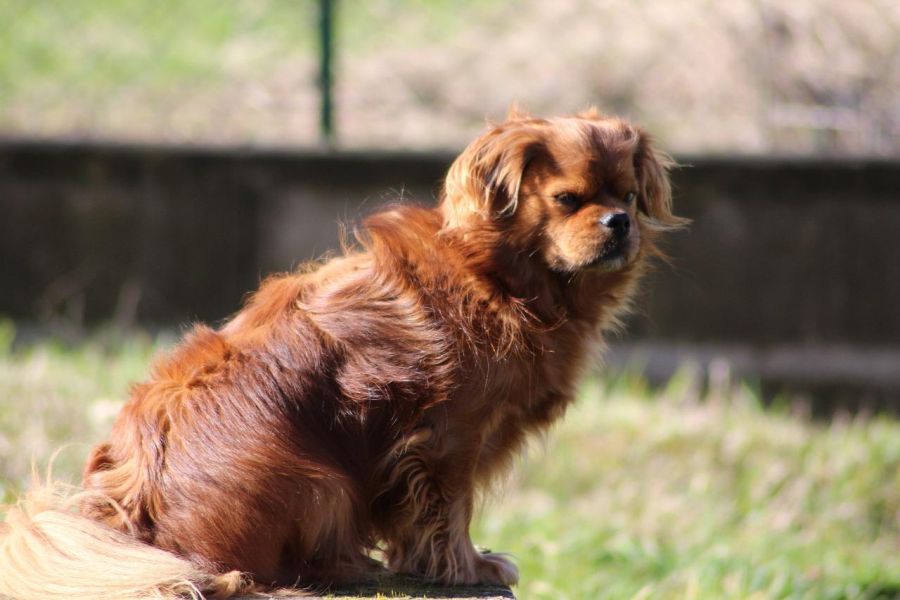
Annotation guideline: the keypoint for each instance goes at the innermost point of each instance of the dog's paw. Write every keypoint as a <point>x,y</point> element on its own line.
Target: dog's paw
<point>496,569</point>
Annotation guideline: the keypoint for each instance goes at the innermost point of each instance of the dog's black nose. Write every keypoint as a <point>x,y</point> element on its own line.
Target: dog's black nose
<point>619,222</point>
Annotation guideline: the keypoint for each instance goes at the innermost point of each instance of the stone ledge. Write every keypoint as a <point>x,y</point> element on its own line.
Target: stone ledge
<point>396,587</point>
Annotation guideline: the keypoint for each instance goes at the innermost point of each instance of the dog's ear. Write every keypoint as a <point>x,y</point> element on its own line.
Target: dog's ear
<point>483,182</point>
<point>655,200</point>
<point>516,112</point>
<point>591,113</point>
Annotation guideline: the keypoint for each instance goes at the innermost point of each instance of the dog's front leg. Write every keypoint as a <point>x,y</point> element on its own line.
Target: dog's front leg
<point>429,532</point>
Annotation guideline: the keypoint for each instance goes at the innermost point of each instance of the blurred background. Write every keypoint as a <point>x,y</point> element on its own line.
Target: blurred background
<point>157,159</point>
<point>747,77</point>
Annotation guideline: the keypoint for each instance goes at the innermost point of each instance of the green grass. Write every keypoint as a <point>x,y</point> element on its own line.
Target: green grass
<point>664,495</point>
<point>204,71</point>
<point>639,493</point>
<point>119,42</point>
<point>115,43</point>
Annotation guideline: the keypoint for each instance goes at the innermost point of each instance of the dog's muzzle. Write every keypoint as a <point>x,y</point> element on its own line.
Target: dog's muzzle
<point>615,247</point>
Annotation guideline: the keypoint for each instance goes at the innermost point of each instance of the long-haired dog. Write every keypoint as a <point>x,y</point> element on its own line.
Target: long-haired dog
<point>362,404</point>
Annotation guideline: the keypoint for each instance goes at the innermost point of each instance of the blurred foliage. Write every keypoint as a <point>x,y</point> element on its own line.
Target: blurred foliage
<point>746,76</point>
<point>690,491</point>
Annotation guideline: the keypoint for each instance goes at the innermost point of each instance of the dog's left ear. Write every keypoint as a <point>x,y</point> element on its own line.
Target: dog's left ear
<point>652,167</point>
<point>483,182</point>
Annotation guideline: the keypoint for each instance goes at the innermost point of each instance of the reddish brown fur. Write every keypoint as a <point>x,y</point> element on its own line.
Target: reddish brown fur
<point>364,403</point>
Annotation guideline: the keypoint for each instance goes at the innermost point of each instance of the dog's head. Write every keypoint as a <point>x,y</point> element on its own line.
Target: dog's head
<point>575,193</point>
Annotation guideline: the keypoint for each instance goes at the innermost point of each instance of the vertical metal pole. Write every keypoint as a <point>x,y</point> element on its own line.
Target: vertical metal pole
<point>326,45</point>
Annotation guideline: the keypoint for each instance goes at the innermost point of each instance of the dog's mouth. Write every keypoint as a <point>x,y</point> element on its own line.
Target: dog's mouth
<point>614,254</point>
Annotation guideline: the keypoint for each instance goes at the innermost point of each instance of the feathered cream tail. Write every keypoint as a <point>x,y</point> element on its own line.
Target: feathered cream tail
<point>49,551</point>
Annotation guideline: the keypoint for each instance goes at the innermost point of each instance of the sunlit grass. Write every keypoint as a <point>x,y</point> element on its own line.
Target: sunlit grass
<point>54,397</point>
<point>674,495</point>
<point>639,493</point>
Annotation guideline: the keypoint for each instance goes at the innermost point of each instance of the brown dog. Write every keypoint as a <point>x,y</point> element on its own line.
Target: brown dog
<point>362,404</point>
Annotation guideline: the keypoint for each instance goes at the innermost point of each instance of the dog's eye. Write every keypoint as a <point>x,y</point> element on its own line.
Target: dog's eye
<point>630,197</point>
<point>568,200</point>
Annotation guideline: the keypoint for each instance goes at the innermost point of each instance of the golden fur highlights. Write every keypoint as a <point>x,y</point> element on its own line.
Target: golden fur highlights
<point>363,404</point>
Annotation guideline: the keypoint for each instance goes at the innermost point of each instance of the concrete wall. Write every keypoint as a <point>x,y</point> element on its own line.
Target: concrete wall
<point>788,255</point>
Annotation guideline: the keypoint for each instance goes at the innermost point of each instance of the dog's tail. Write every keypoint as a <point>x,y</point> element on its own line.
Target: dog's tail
<point>49,551</point>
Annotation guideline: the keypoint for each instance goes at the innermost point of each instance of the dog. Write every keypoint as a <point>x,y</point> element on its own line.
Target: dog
<point>361,404</point>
